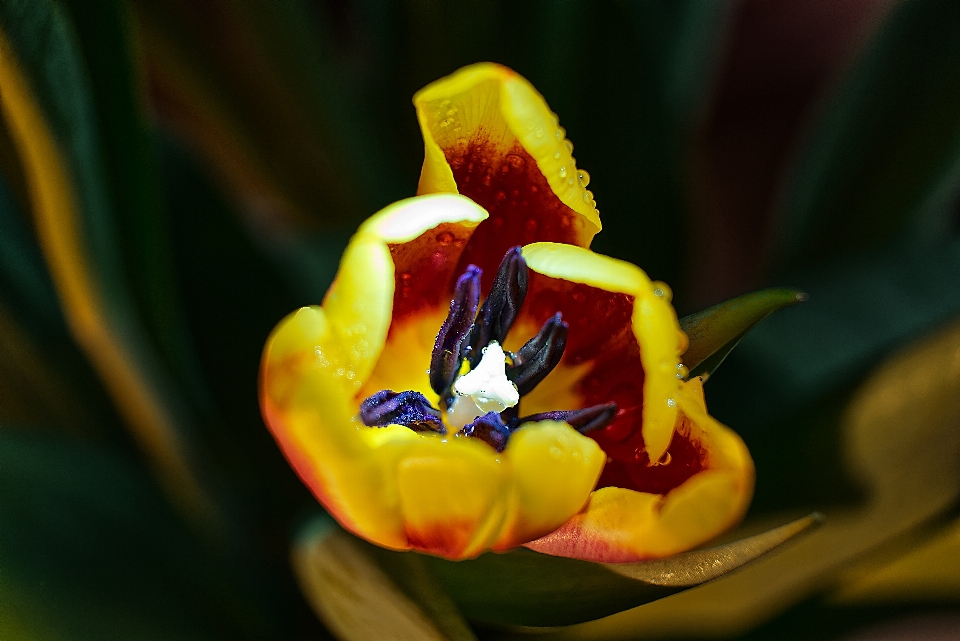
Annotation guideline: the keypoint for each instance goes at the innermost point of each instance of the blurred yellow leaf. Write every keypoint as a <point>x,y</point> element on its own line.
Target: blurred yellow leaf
<point>928,572</point>
<point>358,601</point>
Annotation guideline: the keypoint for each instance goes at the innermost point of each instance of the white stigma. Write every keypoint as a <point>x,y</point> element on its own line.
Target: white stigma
<point>483,389</point>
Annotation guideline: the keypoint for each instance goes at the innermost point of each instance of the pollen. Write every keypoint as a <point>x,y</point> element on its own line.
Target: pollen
<point>483,389</point>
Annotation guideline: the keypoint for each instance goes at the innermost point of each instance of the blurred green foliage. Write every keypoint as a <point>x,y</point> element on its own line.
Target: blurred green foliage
<point>221,153</point>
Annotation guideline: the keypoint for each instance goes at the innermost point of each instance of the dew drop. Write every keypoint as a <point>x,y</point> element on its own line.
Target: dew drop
<point>563,171</point>
<point>531,225</point>
<point>559,133</point>
<point>534,189</point>
<point>665,459</point>
<point>570,180</point>
<point>538,132</point>
<point>500,196</point>
<point>639,454</point>
<point>446,122</point>
<point>569,146</point>
<point>587,196</point>
<point>565,222</point>
<point>578,296</point>
<point>556,155</point>
<point>583,177</point>
<point>658,292</point>
<point>452,111</point>
<point>682,371</point>
<point>671,402</point>
<point>405,277</point>
<point>487,179</point>
<point>445,238</point>
<point>515,161</point>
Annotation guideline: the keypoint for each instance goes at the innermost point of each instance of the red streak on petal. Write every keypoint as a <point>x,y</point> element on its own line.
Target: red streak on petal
<point>601,333</point>
<point>523,208</point>
<point>425,270</point>
<point>448,538</point>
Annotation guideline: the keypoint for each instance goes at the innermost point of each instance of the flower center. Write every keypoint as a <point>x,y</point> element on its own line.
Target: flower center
<point>480,385</point>
<point>484,389</point>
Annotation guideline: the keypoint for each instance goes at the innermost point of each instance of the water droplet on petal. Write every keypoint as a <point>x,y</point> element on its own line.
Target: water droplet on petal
<point>556,155</point>
<point>658,292</point>
<point>559,133</point>
<point>500,196</point>
<point>515,161</point>
<point>587,196</point>
<point>563,171</point>
<point>445,238</point>
<point>569,146</point>
<point>583,177</point>
<point>531,225</point>
<point>570,180</point>
<point>452,111</point>
<point>446,122</point>
<point>671,402</point>
<point>538,132</point>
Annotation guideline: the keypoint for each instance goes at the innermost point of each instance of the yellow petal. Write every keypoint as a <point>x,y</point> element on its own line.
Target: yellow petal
<point>453,496</point>
<point>554,470</point>
<point>654,322</point>
<point>487,104</point>
<point>619,525</point>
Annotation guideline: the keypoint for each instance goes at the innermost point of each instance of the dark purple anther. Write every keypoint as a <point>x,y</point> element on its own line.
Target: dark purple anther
<point>502,306</point>
<point>490,429</point>
<point>539,356</point>
<point>445,361</point>
<point>589,419</point>
<point>411,409</point>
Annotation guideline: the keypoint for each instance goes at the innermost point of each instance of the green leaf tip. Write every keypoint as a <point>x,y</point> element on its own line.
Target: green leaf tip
<point>715,331</point>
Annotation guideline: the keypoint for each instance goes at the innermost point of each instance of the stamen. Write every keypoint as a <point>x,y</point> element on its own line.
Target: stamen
<point>410,409</point>
<point>589,419</point>
<point>445,360</point>
<point>539,356</point>
<point>490,429</point>
<point>502,306</point>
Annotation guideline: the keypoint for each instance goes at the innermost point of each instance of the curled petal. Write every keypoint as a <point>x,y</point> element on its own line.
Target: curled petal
<point>649,317</point>
<point>625,525</point>
<point>490,136</point>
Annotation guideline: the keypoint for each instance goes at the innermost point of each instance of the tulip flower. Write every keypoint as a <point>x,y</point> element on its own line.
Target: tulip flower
<point>477,378</point>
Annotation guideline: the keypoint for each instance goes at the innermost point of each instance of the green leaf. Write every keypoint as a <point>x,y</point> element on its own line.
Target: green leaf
<point>92,550</point>
<point>522,587</point>
<point>50,109</point>
<point>886,153</point>
<point>717,330</point>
